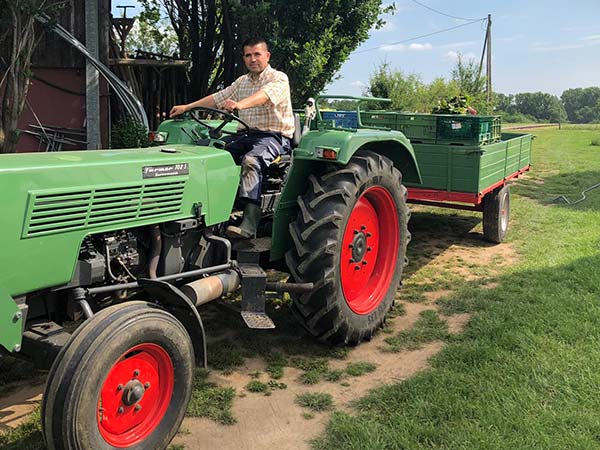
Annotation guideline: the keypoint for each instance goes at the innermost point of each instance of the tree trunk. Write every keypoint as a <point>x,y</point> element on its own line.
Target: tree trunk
<point>19,43</point>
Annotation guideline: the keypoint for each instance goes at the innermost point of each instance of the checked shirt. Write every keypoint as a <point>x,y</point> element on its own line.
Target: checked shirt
<point>276,115</point>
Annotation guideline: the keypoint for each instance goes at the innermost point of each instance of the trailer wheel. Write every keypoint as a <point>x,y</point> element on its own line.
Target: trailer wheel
<point>496,214</point>
<point>123,381</point>
<point>350,239</point>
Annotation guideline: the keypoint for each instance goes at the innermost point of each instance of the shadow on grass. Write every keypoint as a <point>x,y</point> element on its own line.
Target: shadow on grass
<point>524,373</point>
<point>546,190</point>
<point>433,233</point>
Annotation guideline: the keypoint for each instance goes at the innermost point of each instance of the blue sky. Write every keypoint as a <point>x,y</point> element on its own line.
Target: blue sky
<point>537,45</point>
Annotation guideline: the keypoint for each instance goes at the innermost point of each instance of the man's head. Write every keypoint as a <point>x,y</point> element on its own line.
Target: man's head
<point>256,55</point>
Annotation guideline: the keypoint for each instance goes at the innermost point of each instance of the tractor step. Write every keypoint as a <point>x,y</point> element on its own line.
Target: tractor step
<point>258,321</point>
<point>254,282</point>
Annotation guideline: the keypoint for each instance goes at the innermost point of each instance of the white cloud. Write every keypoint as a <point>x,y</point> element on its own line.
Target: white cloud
<point>406,48</point>
<point>594,37</point>
<point>357,83</point>
<point>455,45</point>
<point>453,56</point>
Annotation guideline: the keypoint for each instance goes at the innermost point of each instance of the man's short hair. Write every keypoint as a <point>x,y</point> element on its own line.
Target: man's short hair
<point>251,42</point>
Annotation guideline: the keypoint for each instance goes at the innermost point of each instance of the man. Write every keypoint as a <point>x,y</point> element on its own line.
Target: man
<point>262,98</point>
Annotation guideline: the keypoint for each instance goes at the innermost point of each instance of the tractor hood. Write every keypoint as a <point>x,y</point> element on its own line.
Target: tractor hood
<point>53,200</point>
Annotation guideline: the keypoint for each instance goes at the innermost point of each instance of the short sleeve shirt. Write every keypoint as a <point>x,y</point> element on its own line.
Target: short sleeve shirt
<point>275,115</point>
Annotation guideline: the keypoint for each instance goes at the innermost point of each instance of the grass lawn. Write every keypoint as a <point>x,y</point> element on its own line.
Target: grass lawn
<point>525,373</point>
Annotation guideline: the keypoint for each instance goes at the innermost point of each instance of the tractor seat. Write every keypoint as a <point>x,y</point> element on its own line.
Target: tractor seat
<point>284,160</point>
<point>297,131</point>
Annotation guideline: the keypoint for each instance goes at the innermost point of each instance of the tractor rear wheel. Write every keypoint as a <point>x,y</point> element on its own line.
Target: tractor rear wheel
<point>350,239</point>
<point>496,214</point>
<point>123,381</point>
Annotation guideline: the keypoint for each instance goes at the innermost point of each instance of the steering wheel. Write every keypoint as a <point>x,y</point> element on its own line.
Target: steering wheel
<point>218,131</point>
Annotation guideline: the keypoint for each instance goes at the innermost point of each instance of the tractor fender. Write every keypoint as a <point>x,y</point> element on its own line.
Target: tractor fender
<point>178,304</point>
<point>308,161</point>
<point>392,144</point>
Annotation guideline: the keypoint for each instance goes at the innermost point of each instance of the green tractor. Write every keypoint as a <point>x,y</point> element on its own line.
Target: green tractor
<point>128,244</point>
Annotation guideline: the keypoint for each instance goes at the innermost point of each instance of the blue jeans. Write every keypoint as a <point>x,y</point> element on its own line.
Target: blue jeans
<point>256,151</point>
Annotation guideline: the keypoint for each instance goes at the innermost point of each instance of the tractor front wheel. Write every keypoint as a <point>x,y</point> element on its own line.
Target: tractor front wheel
<point>123,381</point>
<point>350,240</point>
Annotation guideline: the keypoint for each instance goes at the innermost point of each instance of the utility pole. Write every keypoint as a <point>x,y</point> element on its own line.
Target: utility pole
<point>92,77</point>
<point>488,88</point>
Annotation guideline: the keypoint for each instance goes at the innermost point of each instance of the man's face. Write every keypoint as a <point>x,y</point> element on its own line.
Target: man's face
<point>256,58</point>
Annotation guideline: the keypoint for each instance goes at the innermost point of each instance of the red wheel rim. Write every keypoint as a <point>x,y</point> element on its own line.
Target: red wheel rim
<point>135,395</point>
<point>369,250</point>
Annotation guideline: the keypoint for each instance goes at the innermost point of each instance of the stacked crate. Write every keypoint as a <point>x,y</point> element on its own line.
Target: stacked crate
<point>437,128</point>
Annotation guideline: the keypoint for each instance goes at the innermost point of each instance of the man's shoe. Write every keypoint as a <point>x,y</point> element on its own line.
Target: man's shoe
<point>247,228</point>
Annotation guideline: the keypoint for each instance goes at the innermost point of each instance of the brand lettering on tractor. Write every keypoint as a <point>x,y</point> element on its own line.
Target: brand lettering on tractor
<point>167,170</point>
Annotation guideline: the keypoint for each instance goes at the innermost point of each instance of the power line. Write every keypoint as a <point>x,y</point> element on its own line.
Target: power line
<point>440,12</point>
<point>422,36</point>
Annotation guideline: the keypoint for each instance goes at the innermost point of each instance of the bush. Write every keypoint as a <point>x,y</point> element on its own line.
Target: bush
<point>129,134</point>
<point>517,118</point>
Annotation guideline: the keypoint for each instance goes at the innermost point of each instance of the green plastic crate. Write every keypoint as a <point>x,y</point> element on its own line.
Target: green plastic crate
<point>467,130</point>
<point>381,119</point>
<point>419,128</point>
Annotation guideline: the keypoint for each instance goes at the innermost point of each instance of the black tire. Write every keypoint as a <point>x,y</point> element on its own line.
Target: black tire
<point>334,312</point>
<point>496,214</point>
<point>79,392</point>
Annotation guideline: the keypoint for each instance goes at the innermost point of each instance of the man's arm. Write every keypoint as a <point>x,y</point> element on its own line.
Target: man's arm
<point>257,99</point>
<point>207,101</point>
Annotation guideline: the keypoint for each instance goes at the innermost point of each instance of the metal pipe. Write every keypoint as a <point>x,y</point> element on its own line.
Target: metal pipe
<point>211,288</point>
<point>135,284</point>
<point>156,248</point>
<point>212,237</point>
<point>85,307</point>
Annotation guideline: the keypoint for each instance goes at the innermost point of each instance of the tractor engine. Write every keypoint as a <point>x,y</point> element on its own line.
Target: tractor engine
<point>145,252</point>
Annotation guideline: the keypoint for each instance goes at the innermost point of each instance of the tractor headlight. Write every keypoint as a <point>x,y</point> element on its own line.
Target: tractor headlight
<point>160,137</point>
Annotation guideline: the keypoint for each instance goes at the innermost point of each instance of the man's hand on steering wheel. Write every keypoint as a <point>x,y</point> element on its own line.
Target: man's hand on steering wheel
<point>230,105</point>
<point>217,132</point>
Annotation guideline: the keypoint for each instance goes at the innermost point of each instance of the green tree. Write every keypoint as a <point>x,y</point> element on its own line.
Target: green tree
<point>407,92</point>
<point>540,105</point>
<point>505,103</point>
<point>402,89</point>
<point>470,83</point>
<point>429,95</point>
<point>309,39</point>
<point>582,104</point>
<point>153,33</point>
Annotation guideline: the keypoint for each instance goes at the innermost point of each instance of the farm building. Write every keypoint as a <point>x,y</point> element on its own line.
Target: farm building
<point>67,106</point>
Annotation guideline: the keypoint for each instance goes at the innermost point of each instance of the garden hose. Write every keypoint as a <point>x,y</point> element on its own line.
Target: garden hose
<point>583,196</point>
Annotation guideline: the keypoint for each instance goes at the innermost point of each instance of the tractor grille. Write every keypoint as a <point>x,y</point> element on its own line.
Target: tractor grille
<point>75,209</point>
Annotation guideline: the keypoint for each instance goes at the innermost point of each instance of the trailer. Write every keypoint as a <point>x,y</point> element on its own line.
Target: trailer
<point>473,177</point>
<point>465,161</point>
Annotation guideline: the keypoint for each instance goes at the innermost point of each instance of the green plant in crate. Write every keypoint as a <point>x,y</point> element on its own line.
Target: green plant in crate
<point>454,105</point>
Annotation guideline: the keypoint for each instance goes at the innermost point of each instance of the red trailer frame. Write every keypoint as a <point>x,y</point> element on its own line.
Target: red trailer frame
<point>458,200</point>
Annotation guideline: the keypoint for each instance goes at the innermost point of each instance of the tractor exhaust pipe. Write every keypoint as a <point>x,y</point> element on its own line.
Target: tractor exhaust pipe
<point>211,288</point>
